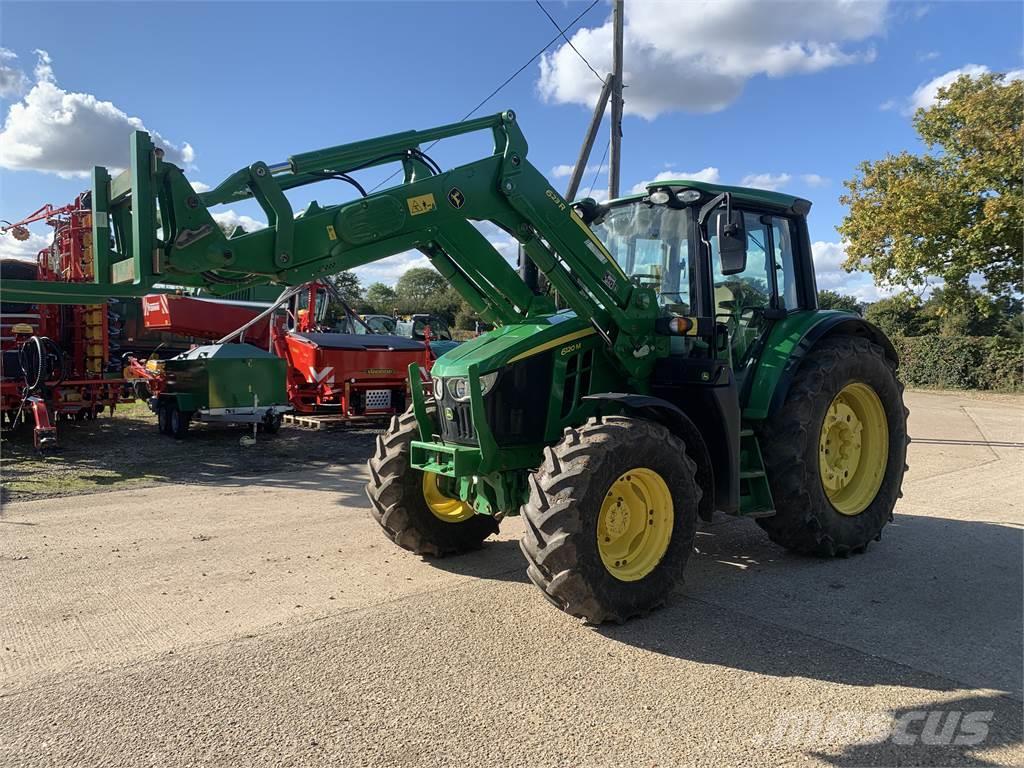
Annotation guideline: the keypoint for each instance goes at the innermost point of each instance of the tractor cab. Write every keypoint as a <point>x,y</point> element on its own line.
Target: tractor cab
<point>669,239</point>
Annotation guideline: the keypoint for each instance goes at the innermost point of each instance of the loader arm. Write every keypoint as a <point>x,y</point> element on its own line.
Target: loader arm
<point>151,228</point>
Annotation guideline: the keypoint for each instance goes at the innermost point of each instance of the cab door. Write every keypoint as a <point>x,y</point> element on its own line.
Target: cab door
<point>749,302</point>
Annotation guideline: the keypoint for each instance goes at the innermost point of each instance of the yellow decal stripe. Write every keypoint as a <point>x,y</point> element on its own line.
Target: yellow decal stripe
<point>555,343</point>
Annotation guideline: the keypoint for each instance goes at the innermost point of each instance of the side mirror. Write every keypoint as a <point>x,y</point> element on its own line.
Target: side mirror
<point>732,241</point>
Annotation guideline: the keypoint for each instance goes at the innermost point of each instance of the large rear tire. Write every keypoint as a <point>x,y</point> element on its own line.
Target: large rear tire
<point>611,518</point>
<point>414,508</point>
<point>835,452</point>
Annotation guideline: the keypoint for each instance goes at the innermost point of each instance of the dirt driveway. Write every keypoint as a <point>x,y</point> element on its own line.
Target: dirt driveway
<point>263,619</point>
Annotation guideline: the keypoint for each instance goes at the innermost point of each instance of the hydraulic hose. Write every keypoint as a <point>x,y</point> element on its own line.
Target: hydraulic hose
<point>35,357</point>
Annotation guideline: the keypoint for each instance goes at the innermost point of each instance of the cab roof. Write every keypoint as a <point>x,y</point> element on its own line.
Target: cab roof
<point>788,203</point>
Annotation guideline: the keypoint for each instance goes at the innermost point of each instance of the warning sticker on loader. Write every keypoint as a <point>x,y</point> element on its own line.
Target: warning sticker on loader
<point>421,204</point>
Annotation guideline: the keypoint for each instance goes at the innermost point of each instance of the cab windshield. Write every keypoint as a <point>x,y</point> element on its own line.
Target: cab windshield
<point>651,244</point>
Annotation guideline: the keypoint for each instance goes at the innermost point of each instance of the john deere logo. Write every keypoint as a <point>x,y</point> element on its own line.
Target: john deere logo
<point>448,414</point>
<point>456,198</point>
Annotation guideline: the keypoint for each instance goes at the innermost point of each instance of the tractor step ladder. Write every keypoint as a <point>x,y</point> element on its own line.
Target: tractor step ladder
<point>755,495</point>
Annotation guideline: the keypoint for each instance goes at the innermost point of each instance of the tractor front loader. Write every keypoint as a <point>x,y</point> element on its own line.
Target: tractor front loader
<point>677,365</point>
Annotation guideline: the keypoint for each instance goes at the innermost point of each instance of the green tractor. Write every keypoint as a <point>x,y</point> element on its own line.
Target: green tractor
<point>675,363</point>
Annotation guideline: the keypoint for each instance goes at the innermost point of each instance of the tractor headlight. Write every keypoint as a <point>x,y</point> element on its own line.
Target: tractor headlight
<point>437,386</point>
<point>458,387</point>
<point>487,382</point>
<point>660,197</point>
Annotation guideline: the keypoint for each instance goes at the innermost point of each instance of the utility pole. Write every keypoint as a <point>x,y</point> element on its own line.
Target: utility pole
<point>615,155</point>
<point>588,141</point>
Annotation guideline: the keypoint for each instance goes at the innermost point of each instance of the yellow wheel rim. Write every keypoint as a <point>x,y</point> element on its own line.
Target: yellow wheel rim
<point>444,507</point>
<point>853,448</point>
<point>634,526</point>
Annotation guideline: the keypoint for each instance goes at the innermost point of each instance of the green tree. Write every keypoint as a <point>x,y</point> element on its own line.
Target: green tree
<point>381,299</point>
<point>834,300</point>
<point>348,287</point>
<point>896,316</point>
<point>954,211</point>
<point>351,293</point>
<point>418,289</point>
<point>979,315</point>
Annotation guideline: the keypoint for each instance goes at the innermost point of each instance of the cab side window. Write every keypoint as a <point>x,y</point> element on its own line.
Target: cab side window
<point>768,282</point>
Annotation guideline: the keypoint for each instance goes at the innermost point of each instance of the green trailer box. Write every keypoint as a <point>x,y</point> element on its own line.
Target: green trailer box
<point>227,376</point>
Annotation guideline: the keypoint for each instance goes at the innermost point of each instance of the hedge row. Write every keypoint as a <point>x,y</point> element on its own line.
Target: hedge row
<point>961,362</point>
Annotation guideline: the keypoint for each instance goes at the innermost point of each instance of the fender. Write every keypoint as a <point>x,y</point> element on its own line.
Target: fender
<point>664,412</point>
<point>789,341</point>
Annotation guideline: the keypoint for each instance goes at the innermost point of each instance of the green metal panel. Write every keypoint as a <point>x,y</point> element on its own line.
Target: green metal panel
<point>228,376</point>
<point>143,203</point>
<point>101,226</point>
<point>783,338</point>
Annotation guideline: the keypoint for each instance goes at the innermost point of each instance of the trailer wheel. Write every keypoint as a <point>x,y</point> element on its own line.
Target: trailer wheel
<point>163,420</point>
<point>178,422</point>
<point>611,518</point>
<point>835,452</point>
<point>271,423</point>
<point>414,508</point>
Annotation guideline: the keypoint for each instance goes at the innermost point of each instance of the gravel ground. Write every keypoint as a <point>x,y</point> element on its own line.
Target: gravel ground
<point>125,451</point>
<point>254,621</point>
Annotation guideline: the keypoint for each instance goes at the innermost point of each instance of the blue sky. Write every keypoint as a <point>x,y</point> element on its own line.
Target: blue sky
<point>785,95</point>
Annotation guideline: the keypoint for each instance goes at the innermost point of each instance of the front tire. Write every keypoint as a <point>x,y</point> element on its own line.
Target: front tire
<point>611,518</point>
<point>835,452</point>
<point>413,507</point>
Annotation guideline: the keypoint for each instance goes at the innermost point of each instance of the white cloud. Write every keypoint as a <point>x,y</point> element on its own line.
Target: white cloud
<point>709,175</point>
<point>230,219</point>
<point>503,242</point>
<point>927,93</point>
<point>830,275</point>
<point>200,187</point>
<point>54,131</point>
<point>13,82</point>
<point>23,249</point>
<point>888,105</point>
<point>565,171</point>
<point>770,181</point>
<point>927,55</point>
<point>697,57</point>
<point>815,180</point>
<point>388,270</point>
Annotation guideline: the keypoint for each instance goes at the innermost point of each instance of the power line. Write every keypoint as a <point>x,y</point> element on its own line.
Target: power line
<point>508,80</point>
<point>567,40</point>
<point>597,173</point>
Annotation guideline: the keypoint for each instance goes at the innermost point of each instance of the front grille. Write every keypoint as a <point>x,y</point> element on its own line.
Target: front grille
<point>516,409</point>
<point>457,422</point>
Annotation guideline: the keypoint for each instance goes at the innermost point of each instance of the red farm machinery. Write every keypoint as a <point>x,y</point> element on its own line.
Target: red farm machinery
<point>56,358</point>
<point>349,377</point>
